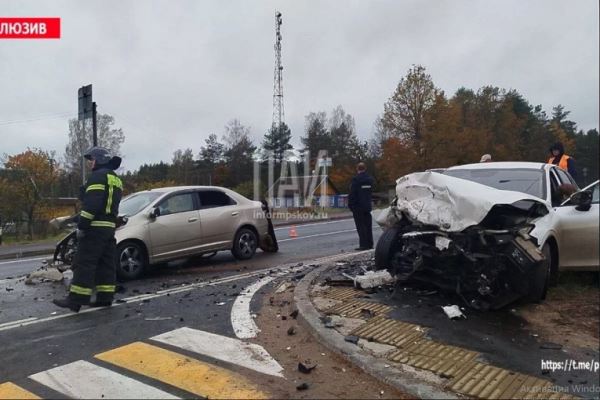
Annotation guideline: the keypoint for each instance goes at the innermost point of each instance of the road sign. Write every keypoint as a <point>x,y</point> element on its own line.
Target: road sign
<point>85,102</point>
<point>325,162</point>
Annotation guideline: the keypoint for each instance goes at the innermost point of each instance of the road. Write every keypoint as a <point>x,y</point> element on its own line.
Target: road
<point>320,238</point>
<point>53,353</point>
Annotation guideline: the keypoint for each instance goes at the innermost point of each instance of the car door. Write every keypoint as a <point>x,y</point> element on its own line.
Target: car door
<point>579,237</point>
<point>176,231</point>
<point>219,216</point>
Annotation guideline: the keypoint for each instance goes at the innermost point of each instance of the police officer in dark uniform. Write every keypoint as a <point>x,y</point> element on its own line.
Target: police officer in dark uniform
<point>359,202</point>
<point>94,267</point>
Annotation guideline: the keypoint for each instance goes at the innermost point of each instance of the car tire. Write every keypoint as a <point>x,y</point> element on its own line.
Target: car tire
<point>387,245</point>
<point>540,277</point>
<point>132,260</point>
<point>245,243</point>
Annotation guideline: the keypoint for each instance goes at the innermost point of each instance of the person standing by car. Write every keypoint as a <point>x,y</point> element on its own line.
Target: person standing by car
<point>563,161</point>
<point>94,267</point>
<point>359,202</point>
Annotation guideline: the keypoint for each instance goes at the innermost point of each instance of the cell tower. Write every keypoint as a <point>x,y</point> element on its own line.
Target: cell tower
<point>278,114</point>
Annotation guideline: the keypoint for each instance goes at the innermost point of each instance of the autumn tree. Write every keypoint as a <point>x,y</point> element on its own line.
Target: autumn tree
<point>26,184</point>
<point>404,112</point>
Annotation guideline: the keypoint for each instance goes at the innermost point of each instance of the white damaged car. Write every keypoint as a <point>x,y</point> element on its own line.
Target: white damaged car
<point>491,232</point>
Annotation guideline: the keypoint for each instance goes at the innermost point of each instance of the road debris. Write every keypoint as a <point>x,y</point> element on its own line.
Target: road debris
<point>157,319</point>
<point>294,314</point>
<point>291,331</point>
<point>550,346</point>
<point>302,386</point>
<point>351,339</point>
<point>44,275</point>
<point>453,311</point>
<point>306,367</point>
<point>283,287</point>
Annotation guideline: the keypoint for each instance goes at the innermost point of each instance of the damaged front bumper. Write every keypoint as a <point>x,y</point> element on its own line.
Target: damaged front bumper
<point>465,238</point>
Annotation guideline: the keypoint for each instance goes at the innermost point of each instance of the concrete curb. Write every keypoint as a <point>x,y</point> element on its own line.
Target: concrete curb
<point>368,363</point>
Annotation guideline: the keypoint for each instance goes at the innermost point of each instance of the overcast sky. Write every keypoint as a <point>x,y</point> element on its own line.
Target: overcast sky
<point>173,72</point>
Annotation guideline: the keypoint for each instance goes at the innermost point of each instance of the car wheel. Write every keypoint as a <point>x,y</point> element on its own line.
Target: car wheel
<point>387,246</point>
<point>244,244</point>
<point>540,277</point>
<point>131,260</point>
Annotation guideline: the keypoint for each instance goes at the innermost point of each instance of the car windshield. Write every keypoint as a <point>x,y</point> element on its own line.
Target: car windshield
<point>530,181</point>
<point>136,202</point>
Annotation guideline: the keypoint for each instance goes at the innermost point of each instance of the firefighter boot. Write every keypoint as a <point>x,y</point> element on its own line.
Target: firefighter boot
<point>67,303</point>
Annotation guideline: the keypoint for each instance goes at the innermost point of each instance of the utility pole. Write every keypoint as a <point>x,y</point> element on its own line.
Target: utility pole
<point>278,114</point>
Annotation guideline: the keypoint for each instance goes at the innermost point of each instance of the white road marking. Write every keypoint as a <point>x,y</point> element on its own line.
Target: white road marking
<point>241,320</point>
<point>20,321</point>
<point>223,348</point>
<point>84,380</point>
<point>313,224</point>
<point>284,269</point>
<point>20,260</point>
<point>316,235</point>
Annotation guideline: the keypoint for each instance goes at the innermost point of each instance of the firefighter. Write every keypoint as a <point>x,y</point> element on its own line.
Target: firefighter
<point>359,202</point>
<point>563,161</point>
<point>94,267</point>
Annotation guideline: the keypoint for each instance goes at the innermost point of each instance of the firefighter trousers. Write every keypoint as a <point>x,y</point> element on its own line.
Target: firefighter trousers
<point>94,267</point>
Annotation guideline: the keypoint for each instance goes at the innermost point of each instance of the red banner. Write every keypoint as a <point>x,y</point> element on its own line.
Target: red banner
<point>29,28</point>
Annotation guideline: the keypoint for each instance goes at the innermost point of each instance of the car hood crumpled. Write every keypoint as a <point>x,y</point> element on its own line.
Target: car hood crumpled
<point>453,204</point>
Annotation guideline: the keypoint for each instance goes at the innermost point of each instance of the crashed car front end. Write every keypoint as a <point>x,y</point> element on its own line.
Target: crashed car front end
<point>463,237</point>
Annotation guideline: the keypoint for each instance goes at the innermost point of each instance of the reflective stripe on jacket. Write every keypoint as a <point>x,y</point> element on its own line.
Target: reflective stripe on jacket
<point>101,198</point>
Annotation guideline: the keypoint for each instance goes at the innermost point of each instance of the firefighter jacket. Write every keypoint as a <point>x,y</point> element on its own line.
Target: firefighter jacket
<point>101,197</point>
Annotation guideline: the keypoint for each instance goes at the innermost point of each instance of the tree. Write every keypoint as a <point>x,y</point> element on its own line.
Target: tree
<point>239,150</point>
<point>317,137</point>
<point>586,156</point>
<point>80,141</point>
<point>182,168</point>
<point>212,153</point>
<point>404,112</point>
<point>27,184</point>
<point>277,141</point>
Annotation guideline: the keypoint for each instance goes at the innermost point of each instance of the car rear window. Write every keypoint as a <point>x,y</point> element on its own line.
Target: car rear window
<point>214,198</point>
<point>528,181</point>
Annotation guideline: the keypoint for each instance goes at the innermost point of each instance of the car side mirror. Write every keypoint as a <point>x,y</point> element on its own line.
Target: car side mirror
<point>582,200</point>
<point>154,213</point>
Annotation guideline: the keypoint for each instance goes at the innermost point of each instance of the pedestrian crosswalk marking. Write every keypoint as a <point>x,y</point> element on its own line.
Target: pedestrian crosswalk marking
<point>183,372</point>
<point>222,348</point>
<point>84,380</point>
<point>9,390</point>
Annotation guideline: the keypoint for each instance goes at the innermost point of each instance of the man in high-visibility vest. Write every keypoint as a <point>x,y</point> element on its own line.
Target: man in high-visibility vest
<point>563,161</point>
<point>94,267</point>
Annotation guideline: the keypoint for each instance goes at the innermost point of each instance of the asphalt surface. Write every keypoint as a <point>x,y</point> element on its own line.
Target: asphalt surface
<point>314,239</point>
<point>36,336</point>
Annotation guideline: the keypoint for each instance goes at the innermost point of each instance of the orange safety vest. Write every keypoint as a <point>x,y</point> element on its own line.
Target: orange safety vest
<point>563,163</point>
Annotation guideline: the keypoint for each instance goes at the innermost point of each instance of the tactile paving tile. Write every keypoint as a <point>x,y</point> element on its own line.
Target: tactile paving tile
<point>488,382</point>
<point>340,293</point>
<point>354,309</point>
<point>390,331</point>
<point>436,357</point>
